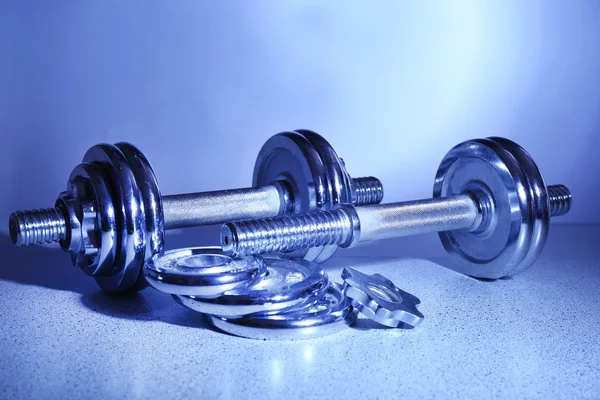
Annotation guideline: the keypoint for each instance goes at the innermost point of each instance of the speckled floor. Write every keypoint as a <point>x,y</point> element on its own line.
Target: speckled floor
<point>536,335</point>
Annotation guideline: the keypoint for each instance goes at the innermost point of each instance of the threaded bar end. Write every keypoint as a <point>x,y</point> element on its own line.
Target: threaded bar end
<point>560,200</point>
<point>368,190</point>
<point>37,226</point>
<point>286,233</point>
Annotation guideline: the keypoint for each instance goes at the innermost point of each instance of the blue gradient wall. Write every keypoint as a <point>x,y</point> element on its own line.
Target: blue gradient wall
<point>199,86</point>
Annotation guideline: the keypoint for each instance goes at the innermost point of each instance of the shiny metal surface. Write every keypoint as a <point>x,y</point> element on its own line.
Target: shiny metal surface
<point>368,190</point>
<point>339,185</point>
<point>290,157</point>
<point>150,196</point>
<point>333,228</point>
<point>340,189</point>
<point>92,237</point>
<point>37,226</point>
<point>415,217</point>
<point>128,217</point>
<point>381,300</point>
<point>330,314</point>
<point>207,208</point>
<point>202,272</point>
<point>490,204</point>
<point>347,225</point>
<point>288,282</point>
<point>560,200</point>
<point>316,175</point>
<point>517,232</point>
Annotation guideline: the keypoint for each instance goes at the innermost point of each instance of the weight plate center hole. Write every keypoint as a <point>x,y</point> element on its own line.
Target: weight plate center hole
<point>384,293</point>
<point>202,261</point>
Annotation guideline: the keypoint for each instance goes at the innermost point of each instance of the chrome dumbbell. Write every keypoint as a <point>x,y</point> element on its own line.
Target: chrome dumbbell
<point>112,216</point>
<point>491,207</point>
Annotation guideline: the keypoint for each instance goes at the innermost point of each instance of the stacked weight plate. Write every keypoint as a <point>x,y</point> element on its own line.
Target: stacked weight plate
<point>115,218</point>
<point>276,298</point>
<point>254,297</point>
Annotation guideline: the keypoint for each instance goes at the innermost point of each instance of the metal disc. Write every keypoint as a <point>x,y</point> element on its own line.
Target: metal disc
<point>290,157</point>
<point>287,283</point>
<point>150,195</point>
<point>512,194</point>
<point>202,272</point>
<point>106,224</point>
<point>339,188</point>
<point>380,300</point>
<point>130,218</point>
<point>339,182</point>
<point>330,314</point>
<point>316,176</point>
<point>537,202</point>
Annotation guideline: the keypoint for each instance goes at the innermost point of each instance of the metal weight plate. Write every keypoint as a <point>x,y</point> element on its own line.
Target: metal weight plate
<point>93,189</point>
<point>339,188</point>
<point>129,214</point>
<point>313,171</point>
<point>287,283</point>
<point>513,196</point>
<point>340,184</point>
<point>536,202</point>
<point>380,300</point>
<point>203,272</point>
<point>290,157</point>
<point>150,195</point>
<point>330,314</point>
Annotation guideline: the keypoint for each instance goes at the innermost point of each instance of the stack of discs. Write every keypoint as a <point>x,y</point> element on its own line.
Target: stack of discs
<point>269,298</point>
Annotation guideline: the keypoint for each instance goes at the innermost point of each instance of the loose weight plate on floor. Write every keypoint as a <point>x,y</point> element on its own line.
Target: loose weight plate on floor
<point>287,283</point>
<point>380,300</point>
<point>330,314</point>
<point>204,272</point>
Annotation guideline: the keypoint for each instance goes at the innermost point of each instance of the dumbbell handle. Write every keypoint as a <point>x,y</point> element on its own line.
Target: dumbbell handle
<point>416,217</point>
<point>348,225</point>
<point>208,208</point>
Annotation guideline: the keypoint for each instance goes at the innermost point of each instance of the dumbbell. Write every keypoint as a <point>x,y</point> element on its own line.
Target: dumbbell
<point>112,216</point>
<point>490,206</point>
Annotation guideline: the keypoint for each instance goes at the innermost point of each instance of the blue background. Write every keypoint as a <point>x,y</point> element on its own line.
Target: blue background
<point>393,86</point>
<point>199,86</point>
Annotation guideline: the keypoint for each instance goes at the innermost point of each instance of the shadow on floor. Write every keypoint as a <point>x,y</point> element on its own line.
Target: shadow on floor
<point>44,266</point>
<point>50,267</point>
<point>149,305</point>
<point>365,324</point>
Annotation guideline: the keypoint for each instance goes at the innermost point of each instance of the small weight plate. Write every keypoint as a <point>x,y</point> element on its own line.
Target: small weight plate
<point>100,196</point>
<point>129,214</point>
<point>287,283</point>
<point>536,202</point>
<point>339,189</point>
<point>515,200</point>
<point>203,272</point>
<point>313,171</point>
<point>339,182</point>
<point>290,157</point>
<point>150,195</point>
<point>380,300</point>
<point>330,314</point>
<point>148,185</point>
